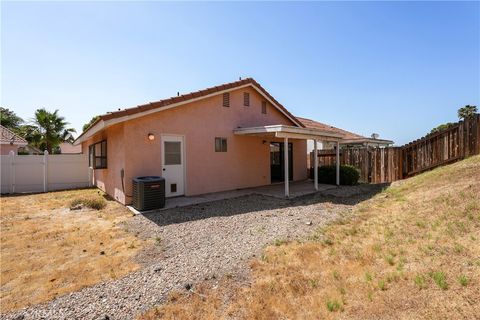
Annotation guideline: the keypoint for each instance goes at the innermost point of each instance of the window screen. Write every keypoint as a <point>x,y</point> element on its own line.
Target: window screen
<point>173,152</point>
<point>220,144</point>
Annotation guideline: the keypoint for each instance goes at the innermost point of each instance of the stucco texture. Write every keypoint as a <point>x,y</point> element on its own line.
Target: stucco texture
<point>245,164</point>
<point>6,148</point>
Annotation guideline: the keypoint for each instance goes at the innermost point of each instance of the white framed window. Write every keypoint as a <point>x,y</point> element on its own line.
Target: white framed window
<point>97,155</point>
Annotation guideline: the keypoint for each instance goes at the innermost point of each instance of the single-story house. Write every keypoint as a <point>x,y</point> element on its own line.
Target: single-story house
<point>222,138</point>
<point>10,141</point>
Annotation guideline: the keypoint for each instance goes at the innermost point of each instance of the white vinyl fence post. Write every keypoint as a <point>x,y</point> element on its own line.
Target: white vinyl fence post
<point>12,171</point>
<point>45,171</point>
<point>90,176</point>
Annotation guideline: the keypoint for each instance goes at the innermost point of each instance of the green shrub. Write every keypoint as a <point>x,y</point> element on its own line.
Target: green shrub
<point>463,280</point>
<point>440,279</point>
<point>334,305</point>
<point>349,175</point>
<point>90,202</point>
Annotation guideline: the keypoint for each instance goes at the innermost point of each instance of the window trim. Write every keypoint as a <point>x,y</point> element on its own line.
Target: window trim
<point>223,145</point>
<point>92,157</point>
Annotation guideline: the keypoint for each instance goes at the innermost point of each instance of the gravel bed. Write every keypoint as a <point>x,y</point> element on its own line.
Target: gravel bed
<point>200,242</point>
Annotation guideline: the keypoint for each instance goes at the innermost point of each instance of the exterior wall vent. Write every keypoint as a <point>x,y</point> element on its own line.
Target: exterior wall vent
<point>246,99</point>
<point>226,99</point>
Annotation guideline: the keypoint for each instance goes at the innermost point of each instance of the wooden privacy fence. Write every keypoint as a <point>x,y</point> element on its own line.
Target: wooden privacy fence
<point>452,144</point>
<point>380,165</point>
<point>376,165</point>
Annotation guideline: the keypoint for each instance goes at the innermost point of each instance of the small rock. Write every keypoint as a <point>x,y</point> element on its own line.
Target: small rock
<point>308,223</point>
<point>77,207</point>
<point>102,253</point>
<point>188,286</point>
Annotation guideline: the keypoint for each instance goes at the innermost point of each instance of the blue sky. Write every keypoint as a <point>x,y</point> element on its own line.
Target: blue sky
<point>394,68</point>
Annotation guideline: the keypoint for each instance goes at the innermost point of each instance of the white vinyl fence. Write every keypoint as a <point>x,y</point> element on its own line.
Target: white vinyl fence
<point>30,173</point>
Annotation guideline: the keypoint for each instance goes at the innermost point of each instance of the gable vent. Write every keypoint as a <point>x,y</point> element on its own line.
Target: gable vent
<point>264,107</point>
<point>246,99</point>
<point>226,99</point>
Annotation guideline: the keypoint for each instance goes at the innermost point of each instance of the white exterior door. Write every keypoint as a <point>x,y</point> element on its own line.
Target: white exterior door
<point>173,162</point>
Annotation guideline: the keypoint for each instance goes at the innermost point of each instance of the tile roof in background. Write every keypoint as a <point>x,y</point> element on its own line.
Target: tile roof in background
<point>7,136</point>
<point>326,127</point>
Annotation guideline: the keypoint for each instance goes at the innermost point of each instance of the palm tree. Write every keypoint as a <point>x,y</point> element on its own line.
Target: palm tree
<point>9,119</point>
<point>50,130</point>
<point>467,111</point>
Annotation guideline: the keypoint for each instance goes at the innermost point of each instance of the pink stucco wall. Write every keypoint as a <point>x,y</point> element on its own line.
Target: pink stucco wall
<point>6,148</point>
<point>67,147</point>
<point>245,164</point>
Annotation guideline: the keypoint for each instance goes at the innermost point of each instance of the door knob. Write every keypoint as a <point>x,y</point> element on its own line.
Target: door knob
<point>163,169</point>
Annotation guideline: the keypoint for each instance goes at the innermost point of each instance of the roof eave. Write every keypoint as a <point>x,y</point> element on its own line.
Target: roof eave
<point>366,140</point>
<point>15,143</point>
<point>283,131</point>
<point>92,130</point>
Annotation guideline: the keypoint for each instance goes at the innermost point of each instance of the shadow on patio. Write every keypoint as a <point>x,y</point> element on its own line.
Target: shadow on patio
<point>256,202</point>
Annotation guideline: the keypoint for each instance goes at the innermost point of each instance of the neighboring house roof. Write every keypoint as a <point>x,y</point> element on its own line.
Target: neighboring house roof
<point>9,137</point>
<point>326,127</point>
<point>348,137</point>
<point>123,115</point>
<point>30,150</point>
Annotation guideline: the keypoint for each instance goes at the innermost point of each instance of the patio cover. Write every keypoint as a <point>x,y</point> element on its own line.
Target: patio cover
<point>286,132</point>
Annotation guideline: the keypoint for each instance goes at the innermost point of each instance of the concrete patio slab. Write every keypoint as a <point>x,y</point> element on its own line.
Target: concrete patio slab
<point>297,189</point>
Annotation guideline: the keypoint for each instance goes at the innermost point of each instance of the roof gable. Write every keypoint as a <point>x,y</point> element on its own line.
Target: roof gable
<point>123,115</point>
<point>9,137</point>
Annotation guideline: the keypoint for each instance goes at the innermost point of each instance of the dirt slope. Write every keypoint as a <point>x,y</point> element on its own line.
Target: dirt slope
<point>411,252</point>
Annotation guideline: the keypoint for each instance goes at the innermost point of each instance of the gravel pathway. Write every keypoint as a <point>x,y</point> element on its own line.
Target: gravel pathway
<point>199,242</point>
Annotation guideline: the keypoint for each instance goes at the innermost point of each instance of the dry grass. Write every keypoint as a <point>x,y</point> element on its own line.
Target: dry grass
<point>411,252</point>
<point>48,250</point>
